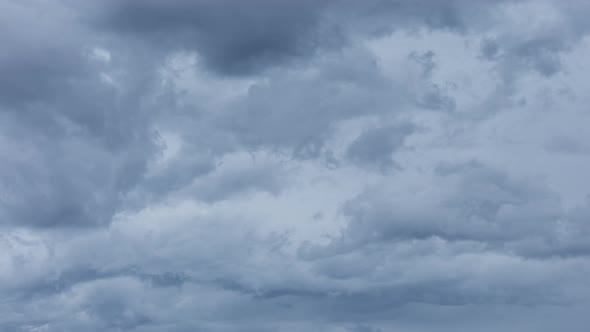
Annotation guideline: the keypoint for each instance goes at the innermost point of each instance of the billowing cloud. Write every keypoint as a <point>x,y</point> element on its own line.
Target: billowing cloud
<point>294,165</point>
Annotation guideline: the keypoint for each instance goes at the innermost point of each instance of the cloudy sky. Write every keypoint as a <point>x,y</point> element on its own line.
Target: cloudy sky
<point>294,165</point>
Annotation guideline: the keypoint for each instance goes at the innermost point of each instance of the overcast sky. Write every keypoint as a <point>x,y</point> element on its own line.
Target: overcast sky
<point>294,166</point>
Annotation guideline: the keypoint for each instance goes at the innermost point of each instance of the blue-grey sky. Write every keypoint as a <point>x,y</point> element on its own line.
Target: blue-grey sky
<point>287,166</point>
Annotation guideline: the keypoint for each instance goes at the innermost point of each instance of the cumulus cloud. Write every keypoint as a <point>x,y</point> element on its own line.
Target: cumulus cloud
<point>294,165</point>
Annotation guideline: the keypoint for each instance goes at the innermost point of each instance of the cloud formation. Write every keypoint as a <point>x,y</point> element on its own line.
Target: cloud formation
<point>294,165</point>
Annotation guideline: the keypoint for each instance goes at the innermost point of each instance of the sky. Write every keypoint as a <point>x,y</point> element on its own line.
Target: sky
<point>287,166</point>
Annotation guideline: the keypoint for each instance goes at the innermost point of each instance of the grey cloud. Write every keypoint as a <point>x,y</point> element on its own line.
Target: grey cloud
<point>364,328</point>
<point>31,64</point>
<point>489,48</point>
<point>426,60</point>
<point>471,202</point>
<point>566,145</point>
<point>541,48</point>
<point>225,166</point>
<point>435,98</point>
<point>234,37</point>
<point>480,211</point>
<point>432,96</point>
<point>375,147</point>
<point>243,38</point>
<point>74,144</point>
<point>541,54</point>
<point>68,182</point>
<point>298,112</point>
<point>225,184</point>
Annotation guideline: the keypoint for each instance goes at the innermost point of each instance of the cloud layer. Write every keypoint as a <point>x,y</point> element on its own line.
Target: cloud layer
<point>294,165</point>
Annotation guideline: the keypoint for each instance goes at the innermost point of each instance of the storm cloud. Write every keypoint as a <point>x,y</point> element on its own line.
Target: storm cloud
<point>294,165</point>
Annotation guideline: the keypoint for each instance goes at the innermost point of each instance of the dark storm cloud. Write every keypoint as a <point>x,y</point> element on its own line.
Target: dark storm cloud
<point>233,37</point>
<point>237,37</point>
